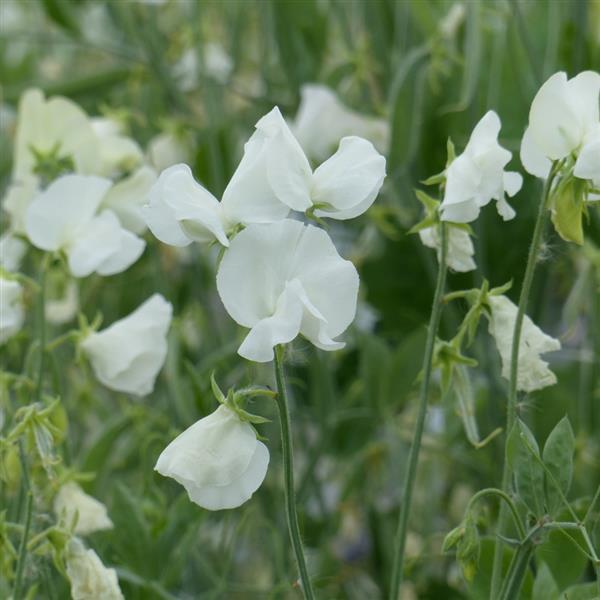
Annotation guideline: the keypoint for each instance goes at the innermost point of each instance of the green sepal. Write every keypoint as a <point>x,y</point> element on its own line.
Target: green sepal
<point>568,208</point>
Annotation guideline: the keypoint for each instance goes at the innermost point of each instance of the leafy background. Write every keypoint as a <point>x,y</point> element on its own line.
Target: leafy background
<point>352,410</point>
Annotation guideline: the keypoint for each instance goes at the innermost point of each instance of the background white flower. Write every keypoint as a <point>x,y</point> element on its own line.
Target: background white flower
<point>12,313</point>
<point>533,372</point>
<point>460,247</point>
<point>218,460</point>
<point>89,578</point>
<point>128,355</point>
<point>92,516</point>
<point>564,119</point>
<point>63,217</point>
<point>12,251</point>
<point>477,176</point>
<point>284,279</point>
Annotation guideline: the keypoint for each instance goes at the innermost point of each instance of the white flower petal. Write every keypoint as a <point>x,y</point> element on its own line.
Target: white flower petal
<point>352,176</point>
<point>533,158</point>
<point>588,162</point>
<point>584,90</point>
<point>128,355</point>
<point>71,501</point>
<point>460,247</point>
<point>513,182</point>
<point>12,314</point>
<point>12,251</point>
<point>68,204</point>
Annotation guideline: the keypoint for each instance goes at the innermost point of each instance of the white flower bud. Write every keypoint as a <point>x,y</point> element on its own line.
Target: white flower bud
<point>71,501</point>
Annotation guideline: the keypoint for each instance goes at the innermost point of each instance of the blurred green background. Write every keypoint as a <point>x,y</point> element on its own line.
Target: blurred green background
<point>431,69</point>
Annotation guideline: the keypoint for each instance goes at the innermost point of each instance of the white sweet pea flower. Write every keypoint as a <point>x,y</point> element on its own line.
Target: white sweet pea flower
<point>17,199</point>
<point>126,198</point>
<point>533,372</point>
<point>128,355</point>
<point>12,314</point>
<point>322,121</point>
<point>285,279</point>
<point>564,120</point>
<point>12,250</point>
<point>117,153</point>
<point>89,578</point>
<point>63,217</point>
<point>460,247</point>
<point>477,176</point>
<point>72,502</point>
<point>167,149</point>
<point>218,460</point>
<point>63,309</point>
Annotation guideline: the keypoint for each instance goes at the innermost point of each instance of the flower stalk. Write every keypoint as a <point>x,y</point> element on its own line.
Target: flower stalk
<point>413,457</point>
<point>288,470</point>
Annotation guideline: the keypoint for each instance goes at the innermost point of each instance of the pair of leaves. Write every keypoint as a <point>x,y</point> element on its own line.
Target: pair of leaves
<point>542,480</point>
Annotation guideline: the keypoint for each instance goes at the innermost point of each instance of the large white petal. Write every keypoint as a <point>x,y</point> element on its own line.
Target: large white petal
<point>588,162</point>
<point>484,134</point>
<point>584,90</point>
<point>533,158</point>
<point>69,203</point>
<point>461,212</point>
<point>352,175</point>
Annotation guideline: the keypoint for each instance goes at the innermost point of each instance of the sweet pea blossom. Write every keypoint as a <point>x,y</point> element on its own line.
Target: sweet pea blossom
<point>12,314</point>
<point>71,503</point>
<point>322,121</point>
<point>460,247</point>
<point>218,460</point>
<point>285,279</point>
<point>63,217</point>
<point>128,355</point>
<point>477,176</point>
<point>89,578</point>
<point>533,372</point>
<point>564,120</point>
<point>12,251</point>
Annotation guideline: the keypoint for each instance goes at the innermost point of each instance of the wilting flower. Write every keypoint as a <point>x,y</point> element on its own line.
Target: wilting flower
<point>12,314</point>
<point>460,247</point>
<point>285,279</point>
<point>128,355</point>
<point>533,372</point>
<point>89,578</point>
<point>564,120</point>
<point>126,198</point>
<point>63,217</point>
<point>71,503</point>
<point>218,460</point>
<point>322,121</point>
<point>477,176</point>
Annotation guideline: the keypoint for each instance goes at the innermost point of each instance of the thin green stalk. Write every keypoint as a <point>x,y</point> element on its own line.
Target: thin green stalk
<point>26,527</point>
<point>507,499</point>
<point>288,470</point>
<point>413,457</point>
<point>532,260</point>
<point>517,571</point>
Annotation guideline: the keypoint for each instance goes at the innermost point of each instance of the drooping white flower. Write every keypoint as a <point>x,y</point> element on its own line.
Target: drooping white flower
<point>285,279</point>
<point>12,250</point>
<point>533,372</point>
<point>72,502</point>
<point>128,355</point>
<point>12,313</point>
<point>477,176</point>
<point>564,120</point>
<point>63,217</point>
<point>89,578</point>
<point>460,247</point>
<point>126,198</point>
<point>322,121</point>
<point>218,460</point>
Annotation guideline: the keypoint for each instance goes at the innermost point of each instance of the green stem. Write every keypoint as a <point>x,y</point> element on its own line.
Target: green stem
<point>413,457</point>
<point>288,470</point>
<point>507,499</point>
<point>41,326</point>
<point>28,512</point>
<point>532,260</point>
<point>516,573</point>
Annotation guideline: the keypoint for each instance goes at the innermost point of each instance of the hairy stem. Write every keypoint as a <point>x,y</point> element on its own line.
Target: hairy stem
<point>288,470</point>
<point>413,457</point>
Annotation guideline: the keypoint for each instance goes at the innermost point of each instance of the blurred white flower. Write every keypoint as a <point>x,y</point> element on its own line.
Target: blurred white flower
<point>128,355</point>
<point>12,314</point>
<point>166,149</point>
<point>63,217</point>
<point>564,119</point>
<point>117,153</point>
<point>89,578</point>
<point>218,460</point>
<point>285,279</point>
<point>126,198</point>
<point>17,200</point>
<point>322,121</point>
<point>453,19</point>
<point>216,63</point>
<point>460,247</point>
<point>533,372</point>
<point>12,250</point>
<point>477,176</point>
<point>64,308</point>
<point>72,502</point>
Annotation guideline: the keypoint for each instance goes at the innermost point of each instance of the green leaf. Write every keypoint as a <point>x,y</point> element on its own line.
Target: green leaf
<point>544,586</point>
<point>528,473</point>
<point>582,591</point>
<point>567,211</point>
<point>558,457</point>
